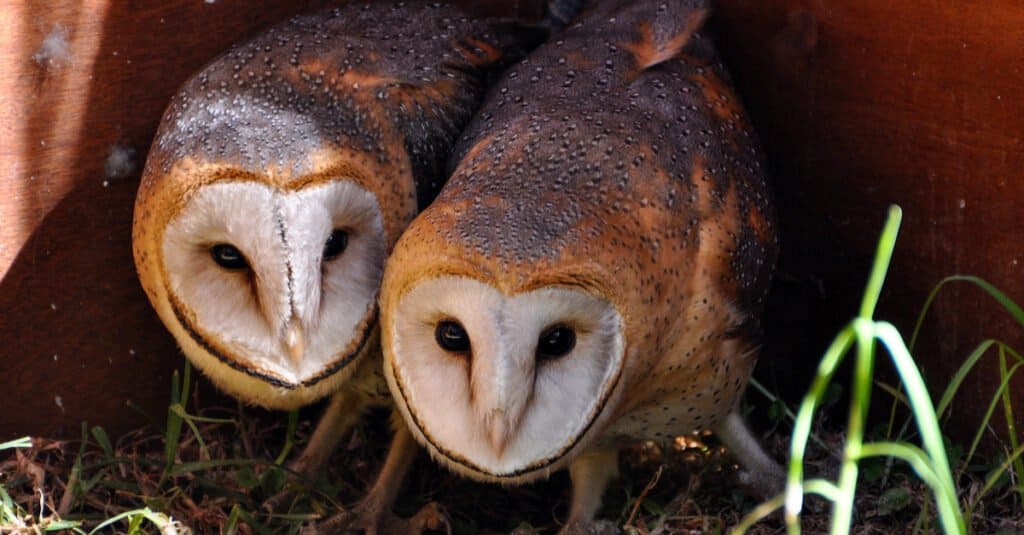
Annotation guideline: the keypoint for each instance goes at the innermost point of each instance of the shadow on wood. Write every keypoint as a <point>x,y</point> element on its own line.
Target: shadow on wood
<point>864,104</point>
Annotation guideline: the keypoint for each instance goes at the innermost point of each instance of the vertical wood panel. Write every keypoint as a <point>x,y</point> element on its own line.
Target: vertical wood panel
<point>862,104</point>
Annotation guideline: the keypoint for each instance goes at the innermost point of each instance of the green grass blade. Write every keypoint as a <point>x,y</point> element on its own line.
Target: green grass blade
<point>1011,426</point>
<point>23,442</point>
<point>103,440</point>
<point>173,432</point>
<point>992,405</point>
<point>1013,308</point>
<point>961,374</point>
<point>135,518</point>
<point>188,420</point>
<point>8,515</point>
<point>895,391</point>
<point>993,478</point>
<point>802,426</point>
<point>842,512</point>
<point>820,487</point>
<point>231,526</point>
<point>75,479</point>
<point>786,410</point>
<point>914,456</point>
<point>252,523</point>
<point>200,466</point>
<point>759,513</point>
<point>180,409</point>
<point>951,389</point>
<point>63,525</point>
<point>883,256</point>
<point>950,514</point>
<point>289,438</point>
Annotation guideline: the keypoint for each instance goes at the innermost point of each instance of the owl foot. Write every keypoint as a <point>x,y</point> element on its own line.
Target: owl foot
<point>764,484</point>
<point>594,527</point>
<point>371,518</point>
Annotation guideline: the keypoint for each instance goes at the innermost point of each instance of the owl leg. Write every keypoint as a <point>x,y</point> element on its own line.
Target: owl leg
<point>761,474</point>
<point>590,474</point>
<point>373,514</point>
<point>342,413</point>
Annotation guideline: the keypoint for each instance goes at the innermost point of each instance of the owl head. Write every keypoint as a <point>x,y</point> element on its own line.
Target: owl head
<point>280,178</point>
<point>502,377</point>
<point>505,313</point>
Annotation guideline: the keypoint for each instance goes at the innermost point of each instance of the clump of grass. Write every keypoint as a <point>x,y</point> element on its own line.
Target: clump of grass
<point>929,461</point>
<point>15,518</point>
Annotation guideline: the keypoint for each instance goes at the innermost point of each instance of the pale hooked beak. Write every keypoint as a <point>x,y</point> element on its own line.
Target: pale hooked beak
<point>295,340</point>
<point>498,430</point>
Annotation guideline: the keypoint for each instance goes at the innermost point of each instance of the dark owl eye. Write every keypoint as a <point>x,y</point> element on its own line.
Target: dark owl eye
<point>556,342</point>
<point>335,244</point>
<point>452,336</point>
<point>228,256</point>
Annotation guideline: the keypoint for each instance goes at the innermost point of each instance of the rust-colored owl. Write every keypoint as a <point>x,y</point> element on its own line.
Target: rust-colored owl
<point>280,178</point>
<point>595,269</point>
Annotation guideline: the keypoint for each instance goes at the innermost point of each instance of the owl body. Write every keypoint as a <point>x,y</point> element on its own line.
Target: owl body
<point>596,266</point>
<point>330,125</point>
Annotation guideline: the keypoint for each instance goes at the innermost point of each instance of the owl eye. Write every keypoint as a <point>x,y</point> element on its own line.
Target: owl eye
<point>452,336</point>
<point>228,256</point>
<point>556,342</point>
<point>335,244</point>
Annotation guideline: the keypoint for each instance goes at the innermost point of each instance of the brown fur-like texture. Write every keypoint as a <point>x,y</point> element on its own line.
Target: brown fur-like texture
<point>617,159</point>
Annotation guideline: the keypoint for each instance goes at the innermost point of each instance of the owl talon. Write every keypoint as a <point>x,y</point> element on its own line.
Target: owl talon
<point>370,519</point>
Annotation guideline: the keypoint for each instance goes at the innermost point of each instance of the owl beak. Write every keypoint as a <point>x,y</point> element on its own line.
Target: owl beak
<point>295,340</point>
<point>498,430</point>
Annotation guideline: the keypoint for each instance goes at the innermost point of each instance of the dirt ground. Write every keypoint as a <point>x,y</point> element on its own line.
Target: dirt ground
<point>219,482</point>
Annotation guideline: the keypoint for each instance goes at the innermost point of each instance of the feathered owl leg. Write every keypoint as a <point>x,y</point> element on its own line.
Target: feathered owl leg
<point>761,474</point>
<point>373,514</point>
<point>590,474</point>
<point>344,409</point>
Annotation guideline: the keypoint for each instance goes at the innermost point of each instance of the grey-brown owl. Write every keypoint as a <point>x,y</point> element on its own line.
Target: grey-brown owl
<point>280,178</point>
<point>595,269</point>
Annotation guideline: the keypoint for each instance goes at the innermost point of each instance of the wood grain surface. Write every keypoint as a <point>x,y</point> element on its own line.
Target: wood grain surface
<point>864,104</point>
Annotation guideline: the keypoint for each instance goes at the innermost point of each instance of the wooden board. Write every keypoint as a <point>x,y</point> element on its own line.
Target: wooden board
<point>863,104</point>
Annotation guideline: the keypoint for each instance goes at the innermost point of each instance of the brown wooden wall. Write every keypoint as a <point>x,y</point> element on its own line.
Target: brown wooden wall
<point>860,104</point>
<point>866,103</point>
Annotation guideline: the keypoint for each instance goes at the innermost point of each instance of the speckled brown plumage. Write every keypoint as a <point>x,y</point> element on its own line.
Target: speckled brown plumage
<point>617,159</point>
<point>367,95</point>
<point>647,177</point>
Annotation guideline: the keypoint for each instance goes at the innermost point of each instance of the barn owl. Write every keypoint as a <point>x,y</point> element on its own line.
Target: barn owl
<point>280,178</point>
<point>594,269</point>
